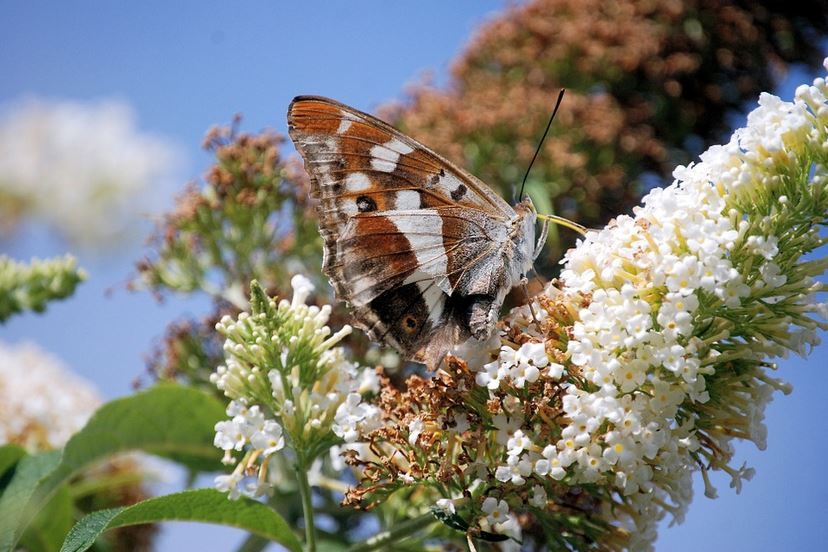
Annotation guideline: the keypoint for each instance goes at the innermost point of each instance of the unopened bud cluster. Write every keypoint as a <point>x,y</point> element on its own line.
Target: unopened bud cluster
<point>30,287</point>
<point>289,384</point>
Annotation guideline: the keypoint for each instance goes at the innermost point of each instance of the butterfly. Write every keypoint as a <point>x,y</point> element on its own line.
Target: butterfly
<point>422,251</point>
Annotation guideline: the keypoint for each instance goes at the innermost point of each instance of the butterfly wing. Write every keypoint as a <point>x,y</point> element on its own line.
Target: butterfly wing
<point>404,229</point>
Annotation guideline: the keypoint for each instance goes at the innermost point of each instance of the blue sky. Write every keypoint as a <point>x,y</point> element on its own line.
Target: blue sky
<point>185,66</point>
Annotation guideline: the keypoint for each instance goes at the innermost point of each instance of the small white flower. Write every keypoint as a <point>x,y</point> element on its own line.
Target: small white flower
<point>742,474</point>
<point>523,373</point>
<point>446,505</point>
<point>229,484</point>
<point>506,426</point>
<point>532,353</point>
<point>766,246</point>
<point>415,427</point>
<point>257,488</point>
<point>554,370</point>
<point>551,464</point>
<point>229,436</point>
<point>368,381</point>
<point>539,497</point>
<point>491,375</point>
<point>269,439</point>
<point>772,275</point>
<point>348,416</point>
<point>497,511</point>
<point>517,443</point>
<point>302,288</point>
<point>515,470</point>
<point>498,518</point>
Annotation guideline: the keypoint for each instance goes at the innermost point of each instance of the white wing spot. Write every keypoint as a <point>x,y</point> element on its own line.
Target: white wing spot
<point>434,297</point>
<point>356,182</point>
<point>451,184</point>
<point>325,177</point>
<point>344,125</point>
<point>348,205</point>
<point>406,200</point>
<point>424,232</point>
<point>384,157</point>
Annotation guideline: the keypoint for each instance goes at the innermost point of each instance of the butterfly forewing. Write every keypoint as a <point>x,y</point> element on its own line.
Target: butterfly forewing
<point>407,234</point>
<point>350,152</point>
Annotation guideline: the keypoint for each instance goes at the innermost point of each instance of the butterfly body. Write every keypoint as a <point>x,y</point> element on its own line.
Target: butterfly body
<point>422,251</point>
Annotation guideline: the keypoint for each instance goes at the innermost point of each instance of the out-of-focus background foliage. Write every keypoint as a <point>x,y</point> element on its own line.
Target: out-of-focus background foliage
<point>650,85</point>
<point>103,109</point>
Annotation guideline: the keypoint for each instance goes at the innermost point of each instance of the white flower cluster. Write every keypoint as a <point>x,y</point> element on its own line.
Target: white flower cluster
<point>83,168</point>
<point>521,366</point>
<point>287,379</point>
<point>248,427</point>
<point>42,403</point>
<point>664,290</point>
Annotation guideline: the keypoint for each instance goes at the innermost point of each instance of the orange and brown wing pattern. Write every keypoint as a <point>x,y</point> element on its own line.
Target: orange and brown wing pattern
<point>408,236</point>
<point>362,164</point>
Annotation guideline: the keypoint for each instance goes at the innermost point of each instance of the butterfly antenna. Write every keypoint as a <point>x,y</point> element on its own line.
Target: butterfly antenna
<point>537,151</point>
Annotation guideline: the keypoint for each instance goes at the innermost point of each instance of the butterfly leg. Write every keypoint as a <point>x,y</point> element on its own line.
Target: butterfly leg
<point>524,285</point>
<point>542,238</point>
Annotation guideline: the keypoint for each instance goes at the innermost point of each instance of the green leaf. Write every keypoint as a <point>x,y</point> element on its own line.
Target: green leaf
<point>9,456</point>
<point>49,528</point>
<point>255,543</point>
<point>204,505</point>
<point>169,420</point>
<point>29,473</point>
<point>330,546</point>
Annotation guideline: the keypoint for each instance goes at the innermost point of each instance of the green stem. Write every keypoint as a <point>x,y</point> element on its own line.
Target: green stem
<point>307,507</point>
<point>395,534</point>
<point>86,488</point>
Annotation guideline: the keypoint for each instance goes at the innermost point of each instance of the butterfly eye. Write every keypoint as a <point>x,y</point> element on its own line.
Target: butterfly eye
<point>409,323</point>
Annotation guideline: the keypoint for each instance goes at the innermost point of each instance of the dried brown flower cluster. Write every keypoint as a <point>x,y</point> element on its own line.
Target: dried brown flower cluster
<point>250,219</point>
<point>649,86</point>
<point>449,433</point>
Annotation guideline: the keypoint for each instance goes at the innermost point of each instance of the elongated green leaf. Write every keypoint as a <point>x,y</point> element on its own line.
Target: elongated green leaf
<point>169,420</point>
<point>28,474</point>
<point>204,505</point>
<point>50,526</point>
<point>9,456</point>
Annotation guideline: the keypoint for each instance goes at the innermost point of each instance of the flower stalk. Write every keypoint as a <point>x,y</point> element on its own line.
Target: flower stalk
<point>396,534</point>
<point>307,505</point>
